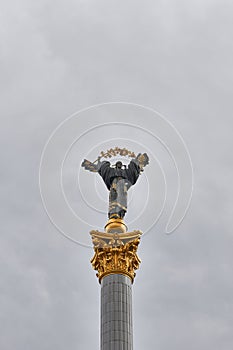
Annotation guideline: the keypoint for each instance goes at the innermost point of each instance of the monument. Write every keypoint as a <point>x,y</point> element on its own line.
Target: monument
<point>115,250</point>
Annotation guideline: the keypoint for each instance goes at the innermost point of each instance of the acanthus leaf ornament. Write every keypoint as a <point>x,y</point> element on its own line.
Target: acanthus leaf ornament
<point>115,253</point>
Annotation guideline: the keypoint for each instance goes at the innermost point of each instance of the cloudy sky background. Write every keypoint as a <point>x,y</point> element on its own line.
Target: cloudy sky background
<point>57,58</point>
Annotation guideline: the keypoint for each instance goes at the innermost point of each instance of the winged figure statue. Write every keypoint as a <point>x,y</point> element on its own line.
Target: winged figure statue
<point>118,179</point>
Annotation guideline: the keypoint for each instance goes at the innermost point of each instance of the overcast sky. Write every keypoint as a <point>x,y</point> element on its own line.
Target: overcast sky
<point>59,57</point>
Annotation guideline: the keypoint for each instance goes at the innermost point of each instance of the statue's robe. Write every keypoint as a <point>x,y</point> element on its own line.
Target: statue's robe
<point>118,181</point>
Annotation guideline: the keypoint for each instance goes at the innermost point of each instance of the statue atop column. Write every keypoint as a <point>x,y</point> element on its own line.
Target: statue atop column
<point>116,249</point>
<point>118,178</point>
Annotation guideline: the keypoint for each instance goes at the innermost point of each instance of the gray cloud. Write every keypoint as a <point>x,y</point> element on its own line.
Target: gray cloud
<point>59,57</point>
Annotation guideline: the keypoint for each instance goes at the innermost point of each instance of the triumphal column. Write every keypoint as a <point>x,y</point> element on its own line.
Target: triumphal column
<point>115,249</point>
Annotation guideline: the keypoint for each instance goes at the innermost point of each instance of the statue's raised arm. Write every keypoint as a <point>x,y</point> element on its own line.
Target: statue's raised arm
<point>91,166</point>
<point>143,160</point>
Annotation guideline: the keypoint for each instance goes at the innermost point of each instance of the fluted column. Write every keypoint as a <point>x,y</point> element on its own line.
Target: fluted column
<point>115,261</point>
<point>116,313</point>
